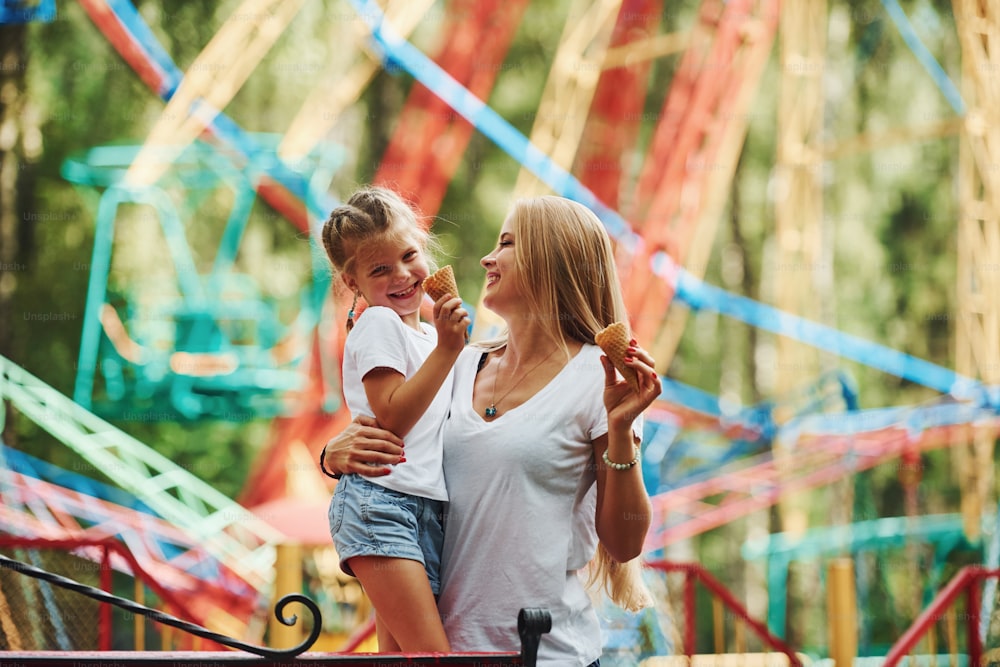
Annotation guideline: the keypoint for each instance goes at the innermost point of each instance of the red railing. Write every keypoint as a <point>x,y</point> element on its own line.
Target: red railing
<point>694,574</point>
<point>107,546</point>
<point>968,581</point>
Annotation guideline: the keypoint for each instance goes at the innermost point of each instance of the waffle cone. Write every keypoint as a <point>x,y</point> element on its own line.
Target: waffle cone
<point>614,340</point>
<point>441,282</point>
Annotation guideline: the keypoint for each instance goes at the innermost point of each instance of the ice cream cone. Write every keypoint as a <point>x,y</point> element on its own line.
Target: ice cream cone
<point>614,340</point>
<point>441,282</point>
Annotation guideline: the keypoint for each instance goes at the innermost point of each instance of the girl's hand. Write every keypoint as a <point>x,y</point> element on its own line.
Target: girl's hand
<point>623,404</point>
<point>451,321</point>
<point>363,448</point>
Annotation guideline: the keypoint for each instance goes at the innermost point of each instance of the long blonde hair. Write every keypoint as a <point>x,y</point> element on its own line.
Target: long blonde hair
<point>564,257</point>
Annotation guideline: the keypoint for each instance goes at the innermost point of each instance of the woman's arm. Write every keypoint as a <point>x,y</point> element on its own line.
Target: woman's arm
<point>363,448</point>
<point>623,507</point>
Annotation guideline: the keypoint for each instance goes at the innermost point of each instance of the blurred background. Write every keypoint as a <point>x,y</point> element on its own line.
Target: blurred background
<point>825,171</point>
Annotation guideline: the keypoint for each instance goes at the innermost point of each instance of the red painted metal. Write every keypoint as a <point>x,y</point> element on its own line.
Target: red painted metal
<point>695,573</point>
<point>359,636</point>
<point>240,659</point>
<point>691,613</point>
<point>966,581</point>
<point>430,138</point>
<point>104,624</point>
<point>122,40</point>
<point>60,525</point>
<point>686,142</point>
<point>973,608</point>
<point>612,127</point>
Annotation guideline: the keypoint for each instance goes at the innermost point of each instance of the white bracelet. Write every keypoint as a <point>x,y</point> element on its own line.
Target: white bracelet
<point>622,466</point>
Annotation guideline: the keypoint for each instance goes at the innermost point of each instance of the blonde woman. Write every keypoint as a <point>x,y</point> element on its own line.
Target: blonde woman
<point>541,446</point>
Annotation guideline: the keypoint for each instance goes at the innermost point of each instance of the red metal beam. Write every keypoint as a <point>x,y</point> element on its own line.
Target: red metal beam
<point>240,659</point>
<point>966,581</point>
<point>612,127</point>
<point>430,138</point>
<point>694,572</point>
<point>686,142</point>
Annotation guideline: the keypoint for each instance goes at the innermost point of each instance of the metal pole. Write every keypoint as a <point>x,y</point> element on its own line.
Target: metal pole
<point>842,608</point>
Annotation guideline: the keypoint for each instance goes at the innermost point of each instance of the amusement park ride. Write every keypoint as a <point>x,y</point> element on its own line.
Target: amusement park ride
<point>212,347</point>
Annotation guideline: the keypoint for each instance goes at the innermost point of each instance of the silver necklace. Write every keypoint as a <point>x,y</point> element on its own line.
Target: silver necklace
<point>492,410</point>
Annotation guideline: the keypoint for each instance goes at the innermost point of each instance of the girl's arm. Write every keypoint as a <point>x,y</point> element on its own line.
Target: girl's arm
<point>623,507</point>
<point>397,402</point>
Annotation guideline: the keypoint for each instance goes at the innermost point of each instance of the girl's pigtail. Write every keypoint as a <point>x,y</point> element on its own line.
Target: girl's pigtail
<point>350,314</point>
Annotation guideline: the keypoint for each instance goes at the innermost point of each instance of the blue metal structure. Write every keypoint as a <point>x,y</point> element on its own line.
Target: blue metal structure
<point>24,11</point>
<point>213,347</point>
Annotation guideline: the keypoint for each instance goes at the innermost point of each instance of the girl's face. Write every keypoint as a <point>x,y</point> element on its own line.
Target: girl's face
<point>502,291</point>
<point>389,272</point>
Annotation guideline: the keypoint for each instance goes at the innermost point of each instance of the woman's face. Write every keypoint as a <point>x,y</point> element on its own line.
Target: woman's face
<point>502,292</point>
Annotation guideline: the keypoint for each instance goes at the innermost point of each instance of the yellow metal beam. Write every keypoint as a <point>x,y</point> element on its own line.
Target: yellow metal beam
<point>329,99</point>
<point>569,90</point>
<point>211,82</point>
<point>646,49</point>
<point>977,332</point>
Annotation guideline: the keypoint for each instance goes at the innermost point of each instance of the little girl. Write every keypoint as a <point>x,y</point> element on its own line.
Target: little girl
<point>388,530</point>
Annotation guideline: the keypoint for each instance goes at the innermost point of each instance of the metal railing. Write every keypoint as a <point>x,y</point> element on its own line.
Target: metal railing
<point>722,599</point>
<point>968,581</point>
<point>531,624</point>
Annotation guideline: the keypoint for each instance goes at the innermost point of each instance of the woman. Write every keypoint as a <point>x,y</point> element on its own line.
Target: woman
<point>541,446</point>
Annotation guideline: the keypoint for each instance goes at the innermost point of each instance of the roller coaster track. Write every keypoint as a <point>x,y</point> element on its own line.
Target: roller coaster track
<point>816,459</point>
<point>51,512</point>
<point>202,515</point>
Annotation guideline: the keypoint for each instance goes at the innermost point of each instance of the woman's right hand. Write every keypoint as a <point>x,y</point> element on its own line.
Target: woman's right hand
<point>363,448</point>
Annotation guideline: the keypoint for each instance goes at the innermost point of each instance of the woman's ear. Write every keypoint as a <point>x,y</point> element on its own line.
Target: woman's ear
<point>351,283</point>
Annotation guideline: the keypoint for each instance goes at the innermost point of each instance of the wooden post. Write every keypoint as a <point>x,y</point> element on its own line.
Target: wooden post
<point>287,579</point>
<point>842,611</point>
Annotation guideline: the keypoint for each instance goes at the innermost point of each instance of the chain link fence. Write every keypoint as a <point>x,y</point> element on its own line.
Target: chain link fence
<point>37,616</point>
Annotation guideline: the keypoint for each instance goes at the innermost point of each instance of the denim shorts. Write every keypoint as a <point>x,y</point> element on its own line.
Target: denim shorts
<point>367,519</point>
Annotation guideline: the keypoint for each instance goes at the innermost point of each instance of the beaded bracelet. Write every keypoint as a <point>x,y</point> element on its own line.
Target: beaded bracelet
<point>622,466</point>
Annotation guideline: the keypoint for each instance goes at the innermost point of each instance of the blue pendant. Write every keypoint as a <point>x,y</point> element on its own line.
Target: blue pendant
<point>491,411</point>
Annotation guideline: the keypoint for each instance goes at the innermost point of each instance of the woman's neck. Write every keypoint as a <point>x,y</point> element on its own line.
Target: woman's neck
<point>528,341</point>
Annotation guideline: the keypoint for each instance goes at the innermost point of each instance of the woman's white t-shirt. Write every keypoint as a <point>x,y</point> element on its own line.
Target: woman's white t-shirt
<point>379,339</point>
<point>521,512</point>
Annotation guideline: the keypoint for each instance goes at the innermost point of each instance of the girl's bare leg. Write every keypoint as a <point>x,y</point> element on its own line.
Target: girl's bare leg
<point>405,605</point>
<point>386,642</point>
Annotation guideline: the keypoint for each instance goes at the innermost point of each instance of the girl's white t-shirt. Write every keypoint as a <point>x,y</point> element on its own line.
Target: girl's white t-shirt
<point>379,339</point>
<point>520,520</point>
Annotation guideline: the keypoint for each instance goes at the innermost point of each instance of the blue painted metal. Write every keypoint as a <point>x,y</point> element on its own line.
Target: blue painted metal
<point>924,56</point>
<point>221,313</point>
<point>25,11</point>
<point>780,549</point>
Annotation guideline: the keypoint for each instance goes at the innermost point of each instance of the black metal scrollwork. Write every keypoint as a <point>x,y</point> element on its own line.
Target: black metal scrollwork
<point>175,622</point>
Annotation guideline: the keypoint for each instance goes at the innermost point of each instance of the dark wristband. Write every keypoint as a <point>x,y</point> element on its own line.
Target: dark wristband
<point>322,466</point>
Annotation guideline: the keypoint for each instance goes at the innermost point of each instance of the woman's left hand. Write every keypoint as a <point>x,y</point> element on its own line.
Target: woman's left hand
<point>622,403</point>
